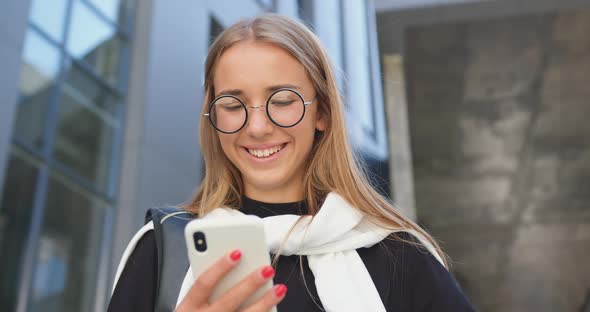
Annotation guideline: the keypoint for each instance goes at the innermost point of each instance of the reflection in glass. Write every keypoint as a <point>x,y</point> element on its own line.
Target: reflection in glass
<point>93,40</point>
<point>38,73</point>
<point>88,90</point>
<point>49,15</point>
<point>117,11</point>
<point>84,136</point>
<point>66,263</point>
<point>16,204</point>
<point>110,8</point>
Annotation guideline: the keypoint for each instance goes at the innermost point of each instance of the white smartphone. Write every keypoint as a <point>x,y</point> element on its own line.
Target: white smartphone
<point>209,239</point>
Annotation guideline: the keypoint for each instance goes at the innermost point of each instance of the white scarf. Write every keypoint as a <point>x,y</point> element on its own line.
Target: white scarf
<point>329,241</point>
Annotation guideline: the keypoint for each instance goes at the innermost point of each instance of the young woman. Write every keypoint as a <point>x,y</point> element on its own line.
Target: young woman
<point>275,146</point>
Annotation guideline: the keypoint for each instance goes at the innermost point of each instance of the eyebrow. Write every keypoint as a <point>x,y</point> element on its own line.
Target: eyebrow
<point>269,89</point>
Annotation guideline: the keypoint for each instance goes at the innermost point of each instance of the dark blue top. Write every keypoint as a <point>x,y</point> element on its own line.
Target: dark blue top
<point>407,277</point>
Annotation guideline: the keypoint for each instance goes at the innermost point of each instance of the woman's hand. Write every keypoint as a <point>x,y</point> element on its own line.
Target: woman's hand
<point>197,298</point>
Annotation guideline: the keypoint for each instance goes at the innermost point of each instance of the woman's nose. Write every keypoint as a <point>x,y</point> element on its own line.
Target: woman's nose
<point>258,124</point>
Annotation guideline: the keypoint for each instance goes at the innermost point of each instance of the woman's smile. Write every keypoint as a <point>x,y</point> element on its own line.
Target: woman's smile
<point>264,154</point>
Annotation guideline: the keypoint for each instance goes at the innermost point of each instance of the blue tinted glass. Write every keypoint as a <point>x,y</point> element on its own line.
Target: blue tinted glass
<point>40,63</point>
<point>110,8</point>
<point>39,69</point>
<point>49,15</point>
<point>93,40</point>
<point>68,250</point>
<point>89,91</point>
<point>87,31</point>
<point>85,135</point>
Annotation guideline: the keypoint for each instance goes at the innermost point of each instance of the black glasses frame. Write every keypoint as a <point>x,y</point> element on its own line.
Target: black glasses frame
<point>305,104</point>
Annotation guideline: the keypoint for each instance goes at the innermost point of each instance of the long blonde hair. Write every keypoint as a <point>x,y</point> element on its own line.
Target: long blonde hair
<point>332,166</point>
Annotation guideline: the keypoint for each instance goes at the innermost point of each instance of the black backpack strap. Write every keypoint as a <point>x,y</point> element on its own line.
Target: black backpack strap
<point>173,261</point>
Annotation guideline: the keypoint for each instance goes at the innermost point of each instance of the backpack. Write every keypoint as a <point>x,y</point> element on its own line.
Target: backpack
<point>173,261</point>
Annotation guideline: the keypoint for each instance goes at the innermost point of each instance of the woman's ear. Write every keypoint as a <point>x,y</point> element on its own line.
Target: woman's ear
<point>321,122</point>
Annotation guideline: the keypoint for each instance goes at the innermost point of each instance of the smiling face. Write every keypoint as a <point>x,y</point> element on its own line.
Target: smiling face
<point>271,159</point>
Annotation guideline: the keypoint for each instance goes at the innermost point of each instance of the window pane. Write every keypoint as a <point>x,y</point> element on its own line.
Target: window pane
<point>84,136</point>
<point>68,251</point>
<point>118,11</point>
<point>49,15</point>
<point>95,41</point>
<point>38,72</point>
<point>110,8</point>
<point>16,206</point>
<point>87,90</point>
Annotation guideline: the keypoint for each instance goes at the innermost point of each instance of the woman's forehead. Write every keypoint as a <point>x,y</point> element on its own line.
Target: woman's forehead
<point>257,66</point>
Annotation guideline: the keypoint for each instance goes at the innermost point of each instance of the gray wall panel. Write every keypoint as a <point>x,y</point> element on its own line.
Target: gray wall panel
<point>128,215</point>
<point>178,43</point>
<point>13,22</point>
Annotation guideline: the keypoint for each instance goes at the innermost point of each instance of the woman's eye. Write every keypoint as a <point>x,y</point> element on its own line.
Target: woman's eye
<point>231,107</point>
<point>282,102</point>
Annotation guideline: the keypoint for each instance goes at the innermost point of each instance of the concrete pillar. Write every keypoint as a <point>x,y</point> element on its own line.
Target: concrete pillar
<point>400,161</point>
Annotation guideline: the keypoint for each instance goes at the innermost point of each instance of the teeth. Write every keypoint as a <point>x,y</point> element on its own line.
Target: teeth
<point>265,152</point>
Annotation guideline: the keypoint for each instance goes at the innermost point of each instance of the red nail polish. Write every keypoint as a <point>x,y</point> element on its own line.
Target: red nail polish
<point>235,255</point>
<point>280,290</point>
<point>268,271</point>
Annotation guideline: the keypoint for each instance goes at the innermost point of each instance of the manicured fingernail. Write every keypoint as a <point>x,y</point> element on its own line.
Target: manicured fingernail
<point>280,290</point>
<point>235,255</point>
<point>268,271</point>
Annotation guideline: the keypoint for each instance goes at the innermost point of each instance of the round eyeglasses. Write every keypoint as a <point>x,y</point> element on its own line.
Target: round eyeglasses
<point>284,107</point>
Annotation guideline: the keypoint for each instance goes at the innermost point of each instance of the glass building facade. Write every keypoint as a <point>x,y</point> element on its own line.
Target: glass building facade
<point>61,178</point>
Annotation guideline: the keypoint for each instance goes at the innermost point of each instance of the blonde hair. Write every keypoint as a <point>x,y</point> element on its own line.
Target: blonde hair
<point>332,166</point>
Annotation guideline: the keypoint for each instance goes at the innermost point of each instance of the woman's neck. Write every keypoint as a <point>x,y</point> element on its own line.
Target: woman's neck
<point>277,195</point>
<point>263,209</point>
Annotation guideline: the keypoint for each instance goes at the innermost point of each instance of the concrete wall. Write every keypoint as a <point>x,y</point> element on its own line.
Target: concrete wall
<point>498,112</point>
<point>394,17</point>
